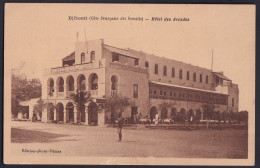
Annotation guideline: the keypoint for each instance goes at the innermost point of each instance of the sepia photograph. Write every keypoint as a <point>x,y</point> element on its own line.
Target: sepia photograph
<point>129,84</point>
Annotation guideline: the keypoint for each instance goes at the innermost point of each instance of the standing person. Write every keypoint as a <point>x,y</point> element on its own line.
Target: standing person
<point>156,119</point>
<point>120,126</point>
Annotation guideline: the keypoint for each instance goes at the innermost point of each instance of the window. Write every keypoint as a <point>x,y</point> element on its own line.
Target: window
<point>60,85</point>
<point>136,62</point>
<point>165,93</point>
<point>179,94</point>
<point>93,83</point>
<point>154,92</point>
<point>173,72</point>
<point>92,56</point>
<point>233,102</point>
<point>156,69</point>
<point>114,81</point>
<point>146,64</point>
<point>194,76</point>
<point>188,75</point>
<point>207,79</point>
<point>164,70</point>
<point>135,91</point>
<point>115,57</point>
<point>170,93</point>
<point>160,92</point>
<point>82,57</point>
<point>200,78</point>
<point>180,74</point>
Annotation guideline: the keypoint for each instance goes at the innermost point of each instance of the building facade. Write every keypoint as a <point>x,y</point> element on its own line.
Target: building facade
<point>155,85</point>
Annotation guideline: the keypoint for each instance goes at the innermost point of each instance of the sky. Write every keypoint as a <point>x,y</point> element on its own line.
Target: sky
<point>40,35</point>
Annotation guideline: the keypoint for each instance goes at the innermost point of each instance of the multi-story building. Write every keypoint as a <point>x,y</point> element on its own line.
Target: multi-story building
<point>148,80</point>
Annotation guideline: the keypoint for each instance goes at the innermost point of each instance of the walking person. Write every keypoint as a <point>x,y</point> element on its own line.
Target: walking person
<point>120,126</point>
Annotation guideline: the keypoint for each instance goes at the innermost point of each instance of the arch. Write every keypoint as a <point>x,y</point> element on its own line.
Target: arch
<point>153,112</point>
<point>93,81</point>
<point>146,64</point>
<point>60,84</point>
<point>182,114</point>
<point>81,82</point>
<point>92,56</point>
<point>70,83</point>
<point>164,113</point>
<point>50,87</point>
<point>69,112</point>
<point>198,114</point>
<point>82,57</point>
<point>50,112</point>
<point>173,112</point>
<point>92,113</point>
<point>59,112</point>
<point>190,114</point>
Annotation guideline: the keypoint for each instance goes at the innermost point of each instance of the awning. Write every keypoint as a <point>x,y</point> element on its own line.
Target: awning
<point>185,87</point>
<point>120,51</point>
<point>221,76</point>
<point>69,57</point>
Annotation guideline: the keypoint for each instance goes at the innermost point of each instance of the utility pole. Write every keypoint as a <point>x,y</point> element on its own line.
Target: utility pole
<point>212,61</point>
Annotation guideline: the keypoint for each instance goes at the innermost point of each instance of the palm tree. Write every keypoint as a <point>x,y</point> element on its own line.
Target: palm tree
<point>208,111</point>
<point>116,104</point>
<point>80,98</point>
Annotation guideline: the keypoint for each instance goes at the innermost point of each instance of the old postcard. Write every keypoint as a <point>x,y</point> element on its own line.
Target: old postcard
<point>131,84</point>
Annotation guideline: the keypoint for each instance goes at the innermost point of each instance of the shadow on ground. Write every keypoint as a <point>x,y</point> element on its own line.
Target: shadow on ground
<point>29,136</point>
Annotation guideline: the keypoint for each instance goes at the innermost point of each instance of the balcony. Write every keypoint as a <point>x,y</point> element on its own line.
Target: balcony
<point>76,67</point>
<point>128,67</point>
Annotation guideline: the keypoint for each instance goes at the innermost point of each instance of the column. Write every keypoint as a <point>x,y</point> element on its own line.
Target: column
<point>56,91</point>
<point>86,116</point>
<point>65,115</point>
<point>66,90</point>
<point>30,112</point>
<point>54,114</point>
<point>75,115</point>
<point>44,115</point>
<point>101,118</point>
<point>75,86</point>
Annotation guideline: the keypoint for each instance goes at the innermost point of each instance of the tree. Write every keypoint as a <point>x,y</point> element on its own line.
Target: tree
<point>23,89</point>
<point>208,112</point>
<point>39,107</point>
<point>80,98</point>
<point>116,104</point>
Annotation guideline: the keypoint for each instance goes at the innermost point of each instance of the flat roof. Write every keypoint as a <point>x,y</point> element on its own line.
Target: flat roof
<point>185,87</point>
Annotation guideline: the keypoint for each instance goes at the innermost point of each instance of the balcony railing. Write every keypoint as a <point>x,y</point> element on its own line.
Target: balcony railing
<point>60,94</point>
<point>72,68</point>
<point>128,67</point>
<point>69,93</point>
<point>93,92</point>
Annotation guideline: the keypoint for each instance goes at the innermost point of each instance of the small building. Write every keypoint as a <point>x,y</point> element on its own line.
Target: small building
<point>26,112</point>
